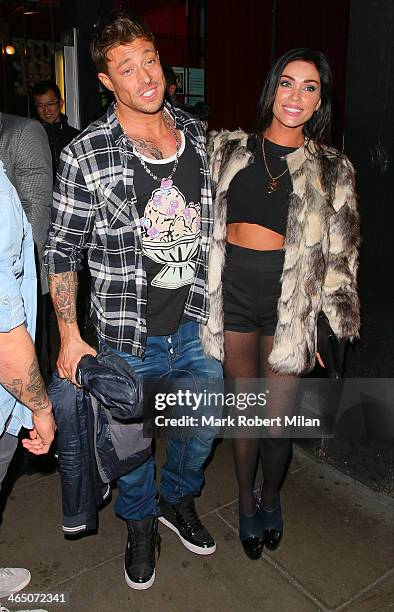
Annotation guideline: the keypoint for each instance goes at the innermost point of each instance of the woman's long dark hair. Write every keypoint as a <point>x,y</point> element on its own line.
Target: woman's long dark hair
<point>318,127</point>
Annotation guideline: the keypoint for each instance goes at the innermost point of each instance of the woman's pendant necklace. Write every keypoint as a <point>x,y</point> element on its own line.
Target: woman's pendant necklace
<point>272,181</point>
<point>272,185</point>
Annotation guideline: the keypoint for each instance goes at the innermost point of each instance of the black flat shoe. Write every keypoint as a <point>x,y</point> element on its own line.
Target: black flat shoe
<point>273,526</point>
<point>251,534</point>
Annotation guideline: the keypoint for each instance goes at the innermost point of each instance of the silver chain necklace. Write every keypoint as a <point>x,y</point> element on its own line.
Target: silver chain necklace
<point>165,183</point>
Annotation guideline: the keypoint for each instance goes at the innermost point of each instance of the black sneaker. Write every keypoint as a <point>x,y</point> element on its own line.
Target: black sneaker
<point>183,519</point>
<point>140,556</point>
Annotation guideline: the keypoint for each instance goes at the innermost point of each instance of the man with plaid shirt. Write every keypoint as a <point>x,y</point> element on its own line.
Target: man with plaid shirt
<point>133,190</point>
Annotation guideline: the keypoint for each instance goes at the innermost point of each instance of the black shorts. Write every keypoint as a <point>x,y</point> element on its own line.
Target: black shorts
<point>251,289</point>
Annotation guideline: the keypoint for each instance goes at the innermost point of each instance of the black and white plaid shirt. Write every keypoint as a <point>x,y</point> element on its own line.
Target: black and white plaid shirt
<point>95,210</point>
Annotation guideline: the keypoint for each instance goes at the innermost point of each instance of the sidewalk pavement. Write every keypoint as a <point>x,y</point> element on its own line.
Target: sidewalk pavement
<point>336,554</point>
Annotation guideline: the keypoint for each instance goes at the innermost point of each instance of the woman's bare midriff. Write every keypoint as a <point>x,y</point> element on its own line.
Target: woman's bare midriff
<point>252,236</point>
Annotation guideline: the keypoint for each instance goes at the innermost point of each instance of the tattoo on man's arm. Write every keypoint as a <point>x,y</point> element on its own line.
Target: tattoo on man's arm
<point>64,289</point>
<point>15,387</point>
<point>32,392</point>
<point>147,148</point>
<point>36,387</point>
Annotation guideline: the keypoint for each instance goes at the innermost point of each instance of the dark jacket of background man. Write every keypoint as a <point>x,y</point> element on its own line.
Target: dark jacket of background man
<point>60,134</point>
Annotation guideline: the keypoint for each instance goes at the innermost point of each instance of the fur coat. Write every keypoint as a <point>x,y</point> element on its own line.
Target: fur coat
<point>321,251</point>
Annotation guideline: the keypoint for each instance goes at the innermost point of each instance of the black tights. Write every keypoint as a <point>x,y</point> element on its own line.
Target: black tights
<point>247,357</point>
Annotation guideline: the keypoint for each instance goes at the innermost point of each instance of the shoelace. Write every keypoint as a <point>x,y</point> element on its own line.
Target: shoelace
<point>143,548</point>
<point>187,516</point>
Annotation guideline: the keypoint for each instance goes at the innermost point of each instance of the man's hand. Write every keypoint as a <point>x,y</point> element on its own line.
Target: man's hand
<point>72,349</point>
<point>64,288</point>
<point>41,436</point>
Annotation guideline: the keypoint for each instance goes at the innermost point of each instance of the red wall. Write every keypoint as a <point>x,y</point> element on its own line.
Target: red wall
<point>238,57</point>
<point>321,25</point>
<point>176,33</point>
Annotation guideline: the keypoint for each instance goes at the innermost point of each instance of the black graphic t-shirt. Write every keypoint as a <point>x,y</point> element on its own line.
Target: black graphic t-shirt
<point>170,221</point>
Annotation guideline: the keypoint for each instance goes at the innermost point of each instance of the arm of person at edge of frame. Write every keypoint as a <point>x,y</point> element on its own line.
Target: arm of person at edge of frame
<point>20,375</point>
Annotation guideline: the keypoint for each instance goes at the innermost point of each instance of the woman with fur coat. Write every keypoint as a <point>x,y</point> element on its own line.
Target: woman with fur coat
<point>284,248</point>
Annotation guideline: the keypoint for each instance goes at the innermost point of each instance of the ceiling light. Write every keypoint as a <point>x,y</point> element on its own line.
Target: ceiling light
<point>10,49</point>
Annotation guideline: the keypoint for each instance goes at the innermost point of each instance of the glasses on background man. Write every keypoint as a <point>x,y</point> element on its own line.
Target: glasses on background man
<point>48,107</point>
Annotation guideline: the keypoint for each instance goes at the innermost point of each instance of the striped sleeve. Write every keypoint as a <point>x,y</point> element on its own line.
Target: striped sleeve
<point>72,217</point>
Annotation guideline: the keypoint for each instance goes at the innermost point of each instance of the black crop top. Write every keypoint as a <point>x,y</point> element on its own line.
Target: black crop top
<point>248,200</point>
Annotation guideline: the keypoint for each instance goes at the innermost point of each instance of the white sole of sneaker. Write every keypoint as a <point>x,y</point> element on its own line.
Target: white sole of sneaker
<point>140,586</point>
<point>20,586</point>
<point>192,547</point>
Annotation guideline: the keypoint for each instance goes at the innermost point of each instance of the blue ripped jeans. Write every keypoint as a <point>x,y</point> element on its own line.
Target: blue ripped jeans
<point>178,355</point>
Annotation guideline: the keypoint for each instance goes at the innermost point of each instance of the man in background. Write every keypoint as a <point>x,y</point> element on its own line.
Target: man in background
<point>49,104</point>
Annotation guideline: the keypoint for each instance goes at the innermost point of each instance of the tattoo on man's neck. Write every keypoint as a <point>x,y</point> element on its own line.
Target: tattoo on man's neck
<point>147,148</point>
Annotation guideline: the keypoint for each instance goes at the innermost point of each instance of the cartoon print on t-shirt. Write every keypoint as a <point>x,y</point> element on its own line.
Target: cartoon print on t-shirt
<point>170,235</point>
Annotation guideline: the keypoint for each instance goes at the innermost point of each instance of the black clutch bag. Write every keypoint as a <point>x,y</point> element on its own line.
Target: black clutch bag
<point>329,347</point>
